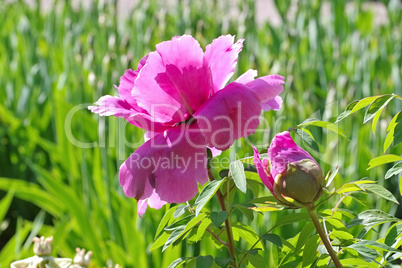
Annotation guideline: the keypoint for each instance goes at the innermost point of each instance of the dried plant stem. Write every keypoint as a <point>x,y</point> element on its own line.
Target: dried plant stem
<point>228,227</point>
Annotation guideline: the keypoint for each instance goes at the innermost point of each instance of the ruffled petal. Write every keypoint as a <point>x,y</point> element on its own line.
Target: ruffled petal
<point>267,88</point>
<point>273,104</point>
<point>171,163</point>
<point>283,150</point>
<point>221,57</point>
<point>153,201</point>
<point>126,85</point>
<point>230,114</point>
<point>247,77</point>
<point>109,105</point>
<point>174,82</point>
<point>263,170</point>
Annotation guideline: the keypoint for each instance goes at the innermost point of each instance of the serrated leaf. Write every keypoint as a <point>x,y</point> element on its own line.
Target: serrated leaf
<point>218,217</point>
<point>396,169</point>
<point>323,124</point>
<point>206,194</point>
<point>384,159</point>
<point>237,171</point>
<point>380,191</point>
<point>273,238</point>
<point>204,261</point>
<point>308,138</point>
<point>355,106</point>
<point>377,106</point>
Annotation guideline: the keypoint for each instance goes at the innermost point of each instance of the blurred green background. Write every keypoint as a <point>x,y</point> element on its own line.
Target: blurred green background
<point>59,162</point>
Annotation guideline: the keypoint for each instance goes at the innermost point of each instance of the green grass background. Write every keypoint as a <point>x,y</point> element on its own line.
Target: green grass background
<point>54,64</point>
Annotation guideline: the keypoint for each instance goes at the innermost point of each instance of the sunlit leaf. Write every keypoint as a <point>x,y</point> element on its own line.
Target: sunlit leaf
<point>206,194</point>
<point>396,169</point>
<point>384,159</point>
<point>379,191</point>
<point>376,107</point>
<point>327,125</point>
<point>355,106</point>
<point>237,171</point>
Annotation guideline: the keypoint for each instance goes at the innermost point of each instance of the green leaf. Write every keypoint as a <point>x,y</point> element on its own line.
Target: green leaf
<point>396,169</point>
<point>393,233</point>
<point>218,217</point>
<point>273,238</point>
<point>341,235</point>
<point>222,262</point>
<point>392,130</point>
<point>246,233</point>
<point>165,220</point>
<point>204,261</point>
<point>181,209</point>
<point>174,236</point>
<point>160,241</point>
<point>384,159</point>
<point>237,170</point>
<point>377,106</point>
<point>364,251</point>
<point>332,176</point>
<point>323,124</point>
<point>304,235</point>
<point>308,138</point>
<point>370,218</point>
<point>310,250</point>
<point>377,245</point>
<point>380,191</point>
<point>179,261</point>
<point>179,223</point>
<point>355,106</point>
<point>245,211</point>
<point>291,218</point>
<point>206,194</point>
<point>5,203</point>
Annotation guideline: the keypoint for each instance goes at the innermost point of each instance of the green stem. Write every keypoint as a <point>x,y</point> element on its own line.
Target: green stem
<point>228,227</point>
<point>314,217</point>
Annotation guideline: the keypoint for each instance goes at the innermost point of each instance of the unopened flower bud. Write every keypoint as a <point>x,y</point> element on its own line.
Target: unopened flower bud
<point>301,181</point>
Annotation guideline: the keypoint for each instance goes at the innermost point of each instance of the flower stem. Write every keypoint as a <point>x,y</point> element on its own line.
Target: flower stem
<point>228,227</point>
<point>312,211</point>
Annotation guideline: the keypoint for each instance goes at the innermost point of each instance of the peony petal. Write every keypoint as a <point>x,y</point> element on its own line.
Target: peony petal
<point>267,88</point>
<point>282,151</point>
<point>174,82</point>
<point>126,85</point>
<point>273,104</point>
<point>263,171</point>
<point>247,77</point>
<point>108,105</point>
<point>230,114</point>
<point>221,57</point>
<point>142,207</point>
<point>171,163</point>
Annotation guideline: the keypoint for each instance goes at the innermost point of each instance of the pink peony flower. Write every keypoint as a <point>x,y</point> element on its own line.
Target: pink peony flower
<point>289,171</point>
<point>178,95</point>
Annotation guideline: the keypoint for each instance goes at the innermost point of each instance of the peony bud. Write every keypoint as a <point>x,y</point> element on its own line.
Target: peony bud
<point>290,173</point>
